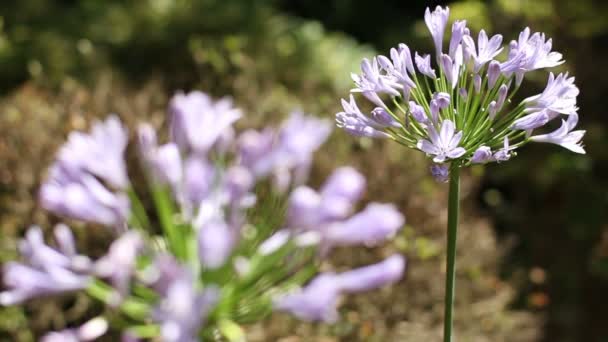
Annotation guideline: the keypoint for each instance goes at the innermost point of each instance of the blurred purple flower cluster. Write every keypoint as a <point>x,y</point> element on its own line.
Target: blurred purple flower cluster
<point>201,265</point>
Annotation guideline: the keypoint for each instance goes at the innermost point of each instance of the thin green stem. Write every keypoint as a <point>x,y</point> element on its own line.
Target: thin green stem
<point>453,208</point>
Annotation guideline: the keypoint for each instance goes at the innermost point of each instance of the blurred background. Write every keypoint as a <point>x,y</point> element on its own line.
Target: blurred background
<point>533,247</point>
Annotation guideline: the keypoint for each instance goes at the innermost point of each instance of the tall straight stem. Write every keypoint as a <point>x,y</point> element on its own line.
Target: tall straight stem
<point>453,208</point>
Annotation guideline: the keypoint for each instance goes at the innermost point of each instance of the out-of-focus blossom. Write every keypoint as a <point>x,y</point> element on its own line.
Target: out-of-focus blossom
<point>100,152</point>
<point>183,309</point>
<point>118,265</point>
<point>315,302</point>
<point>373,276</point>
<point>45,271</point>
<point>376,223</point>
<point>215,243</point>
<point>198,121</point>
<point>89,331</point>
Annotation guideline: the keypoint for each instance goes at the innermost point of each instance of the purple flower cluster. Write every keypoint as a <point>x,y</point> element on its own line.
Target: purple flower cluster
<point>204,263</point>
<point>463,115</point>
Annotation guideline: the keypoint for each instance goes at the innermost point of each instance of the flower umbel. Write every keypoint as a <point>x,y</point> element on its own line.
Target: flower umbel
<point>463,108</point>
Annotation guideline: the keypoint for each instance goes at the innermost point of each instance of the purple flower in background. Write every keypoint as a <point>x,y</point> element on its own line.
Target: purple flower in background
<point>74,194</point>
<point>183,309</point>
<point>89,331</point>
<point>436,22</point>
<point>482,155</point>
<point>46,271</point>
<point>376,223</point>
<point>564,136</point>
<point>215,243</point>
<point>424,65</point>
<point>255,151</point>
<point>486,49</point>
<point>118,265</point>
<point>373,276</point>
<point>559,96</point>
<point>310,210</point>
<point>441,172</point>
<point>100,152</point>
<point>197,121</point>
<point>318,300</point>
<point>315,302</point>
<point>443,145</point>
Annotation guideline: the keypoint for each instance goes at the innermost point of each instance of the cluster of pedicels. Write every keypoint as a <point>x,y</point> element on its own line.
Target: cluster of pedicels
<point>197,266</point>
<point>459,110</point>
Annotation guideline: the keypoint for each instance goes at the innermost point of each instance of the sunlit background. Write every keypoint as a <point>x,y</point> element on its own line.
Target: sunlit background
<point>533,252</point>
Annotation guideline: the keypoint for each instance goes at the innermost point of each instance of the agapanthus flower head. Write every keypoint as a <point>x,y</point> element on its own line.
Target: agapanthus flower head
<point>466,113</point>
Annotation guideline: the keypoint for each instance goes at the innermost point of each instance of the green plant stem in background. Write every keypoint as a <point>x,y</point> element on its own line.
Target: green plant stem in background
<point>453,208</point>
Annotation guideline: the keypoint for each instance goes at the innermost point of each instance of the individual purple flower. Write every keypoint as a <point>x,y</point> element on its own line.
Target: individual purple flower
<point>436,22</point>
<point>443,145</point>
<point>376,223</point>
<point>492,110</point>
<point>493,73</point>
<point>400,68</point>
<point>384,118</point>
<point>197,121</point>
<point>504,153</point>
<point>486,49</point>
<point>309,209</point>
<point>315,302</point>
<point>459,28</point>
<point>100,152</point>
<point>530,53</point>
<point>439,101</point>
<point>255,151</point>
<point>477,83</point>
<point>356,123</point>
<point>45,271</point>
<point>89,331</point>
<point>371,82</point>
<point>564,136</point>
<point>199,177</point>
<point>341,191</point>
<point>418,113</point>
<point>78,195</point>
<point>183,309</point>
<point>118,265</point>
<point>559,96</point>
<point>216,241</point>
<point>534,120</point>
<point>451,66</point>
<point>441,172</point>
<point>370,277</point>
<point>424,65</point>
<point>463,93</point>
<point>482,155</point>
<point>166,162</point>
